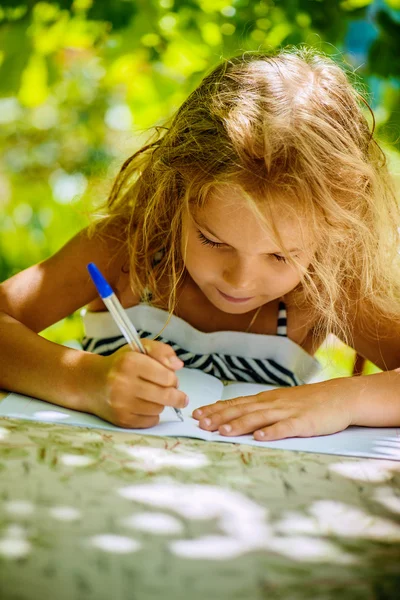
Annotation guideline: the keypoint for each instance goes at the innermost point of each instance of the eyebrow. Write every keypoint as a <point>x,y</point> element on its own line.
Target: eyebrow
<point>204,226</point>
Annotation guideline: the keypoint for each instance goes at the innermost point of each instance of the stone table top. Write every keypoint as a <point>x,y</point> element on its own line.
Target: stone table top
<point>94,515</point>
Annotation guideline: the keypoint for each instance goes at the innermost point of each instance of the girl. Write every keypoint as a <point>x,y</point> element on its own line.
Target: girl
<point>259,221</point>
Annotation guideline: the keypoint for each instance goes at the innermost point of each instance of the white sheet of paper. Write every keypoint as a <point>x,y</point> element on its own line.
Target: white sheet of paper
<point>204,389</point>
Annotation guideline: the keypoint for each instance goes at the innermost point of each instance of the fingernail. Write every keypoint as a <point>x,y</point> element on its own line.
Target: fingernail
<point>174,362</point>
<point>207,422</point>
<point>259,434</point>
<point>198,412</point>
<point>226,428</point>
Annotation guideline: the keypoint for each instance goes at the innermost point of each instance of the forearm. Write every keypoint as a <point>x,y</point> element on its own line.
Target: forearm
<point>376,400</point>
<point>30,364</point>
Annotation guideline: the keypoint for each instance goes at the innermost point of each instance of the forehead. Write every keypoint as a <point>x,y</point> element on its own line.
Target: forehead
<point>229,212</point>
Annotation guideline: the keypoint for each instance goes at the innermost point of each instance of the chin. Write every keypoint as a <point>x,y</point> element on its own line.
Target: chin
<point>232,308</point>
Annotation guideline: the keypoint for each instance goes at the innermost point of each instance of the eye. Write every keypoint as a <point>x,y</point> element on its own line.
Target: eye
<point>206,242</point>
<point>279,258</point>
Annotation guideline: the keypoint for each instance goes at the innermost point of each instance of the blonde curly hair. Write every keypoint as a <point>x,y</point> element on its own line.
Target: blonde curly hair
<point>287,127</point>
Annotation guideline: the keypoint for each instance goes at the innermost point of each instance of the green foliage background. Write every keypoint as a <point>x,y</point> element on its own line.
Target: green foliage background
<point>81,82</point>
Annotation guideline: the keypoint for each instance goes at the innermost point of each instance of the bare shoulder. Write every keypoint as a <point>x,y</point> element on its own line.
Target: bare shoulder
<point>377,339</point>
<point>301,327</point>
<point>47,292</point>
<point>110,249</point>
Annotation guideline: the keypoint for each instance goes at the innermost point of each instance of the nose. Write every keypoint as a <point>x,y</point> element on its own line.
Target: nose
<point>240,276</point>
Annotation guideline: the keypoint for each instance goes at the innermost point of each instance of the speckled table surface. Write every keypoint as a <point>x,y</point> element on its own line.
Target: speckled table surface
<point>86,514</point>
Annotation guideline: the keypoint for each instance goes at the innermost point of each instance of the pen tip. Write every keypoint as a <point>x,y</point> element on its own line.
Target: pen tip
<point>99,281</point>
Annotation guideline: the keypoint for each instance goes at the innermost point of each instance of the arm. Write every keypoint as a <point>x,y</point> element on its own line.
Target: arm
<point>320,408</point>
<point>38,297</point>
<point>377,400</point>
<point>377,403</point>
<point>127,388</point>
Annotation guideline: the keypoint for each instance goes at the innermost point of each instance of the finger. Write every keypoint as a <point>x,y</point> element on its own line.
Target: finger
<point>148,369</point>
<point>134,421</point>
<point>163,353</point>
<point>252,422</point>
<point>214,420</point>
<point>150,392</point>
<point>147,408</point>
<point>287,428</point>
<point>216,407</point>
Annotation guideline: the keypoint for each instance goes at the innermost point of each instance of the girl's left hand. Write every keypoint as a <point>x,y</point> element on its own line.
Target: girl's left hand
<point>304,411</point>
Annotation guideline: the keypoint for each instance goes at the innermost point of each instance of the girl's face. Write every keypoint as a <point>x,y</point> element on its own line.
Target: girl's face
<point>234,260</point>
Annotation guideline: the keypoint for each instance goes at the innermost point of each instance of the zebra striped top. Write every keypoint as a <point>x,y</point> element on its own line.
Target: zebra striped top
<point>228,355</point>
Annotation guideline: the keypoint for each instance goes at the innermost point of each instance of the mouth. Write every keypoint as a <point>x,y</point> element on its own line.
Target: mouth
<point>234,299</point>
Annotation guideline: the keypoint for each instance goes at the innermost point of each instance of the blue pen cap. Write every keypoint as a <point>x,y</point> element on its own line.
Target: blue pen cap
<point>103,287</point>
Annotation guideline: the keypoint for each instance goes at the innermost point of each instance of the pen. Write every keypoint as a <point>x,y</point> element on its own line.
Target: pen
<point>119,315</point>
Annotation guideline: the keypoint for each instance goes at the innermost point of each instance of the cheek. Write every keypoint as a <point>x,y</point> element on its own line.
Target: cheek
<point>279,280</point>
<point>199,262</point>
<point>293,278</point>
<point>290,279</point>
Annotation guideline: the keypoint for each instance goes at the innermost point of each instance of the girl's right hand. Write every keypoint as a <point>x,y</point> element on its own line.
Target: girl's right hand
<point>138,386</point>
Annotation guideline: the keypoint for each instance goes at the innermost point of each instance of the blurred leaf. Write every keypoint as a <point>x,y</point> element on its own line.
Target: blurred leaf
<point>117,12</point>
<point>183,58</point>
<point>277,35</point>
<point>34,90</point>
<point>82,80</point>
<point>16,48</point>
<point>384,56</point>
<point>395,4</point>
<point>211,34</point>
<point>355,4</point>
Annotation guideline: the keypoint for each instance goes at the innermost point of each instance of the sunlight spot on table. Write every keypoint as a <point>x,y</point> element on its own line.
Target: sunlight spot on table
<point>14,544</point>
<point>195,501</point>
<point>387,498</point>
<point>241,519</point>
<point>245,526</point>
<point>4,433</point>
<point>50,415</point>
<point>309,549</point>
<point>212,547</point>
<point>366,470</point>
<point>76,460</point>
<point>153,459</point>
<point>15,531</point>
<point>14,548</point>
<point>65,513</point>
<point>19,508</point>
<point>153,522</point>
<point>117,544</point>
<point>294,522</point>
<point>336,518</point>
